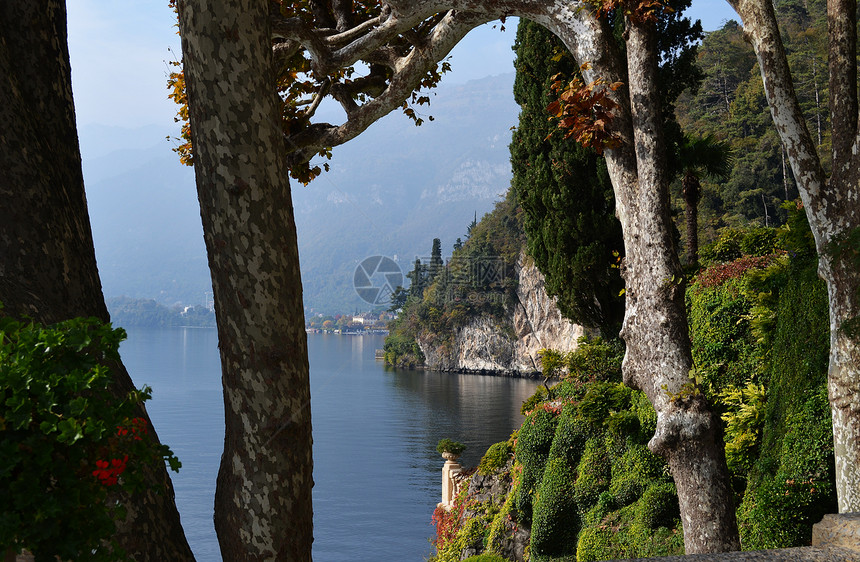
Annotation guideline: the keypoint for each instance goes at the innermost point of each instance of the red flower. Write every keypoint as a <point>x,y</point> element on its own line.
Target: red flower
<point>108,472</point>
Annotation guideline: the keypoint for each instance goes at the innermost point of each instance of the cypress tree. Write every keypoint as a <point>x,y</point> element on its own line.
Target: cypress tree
<point>565,193</point>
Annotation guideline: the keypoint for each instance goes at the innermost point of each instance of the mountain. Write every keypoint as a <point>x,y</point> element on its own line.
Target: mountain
<point>389,193</point>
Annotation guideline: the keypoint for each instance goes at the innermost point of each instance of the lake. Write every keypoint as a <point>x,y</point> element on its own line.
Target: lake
<point>376,470</point>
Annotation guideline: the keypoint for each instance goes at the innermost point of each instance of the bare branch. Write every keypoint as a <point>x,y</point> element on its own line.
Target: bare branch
<point>318,97</point>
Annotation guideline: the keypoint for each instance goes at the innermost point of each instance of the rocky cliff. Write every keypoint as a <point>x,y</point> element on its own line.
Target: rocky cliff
<point>509,346</point>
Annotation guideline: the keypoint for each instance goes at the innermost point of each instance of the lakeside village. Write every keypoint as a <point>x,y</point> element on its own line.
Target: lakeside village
<point>351,324</point>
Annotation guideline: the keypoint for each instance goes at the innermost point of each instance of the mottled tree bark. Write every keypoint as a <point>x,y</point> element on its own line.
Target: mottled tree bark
<point>47,261</point>
<point>263,496</point>
<point>832,205</point>
<point>658,359</point>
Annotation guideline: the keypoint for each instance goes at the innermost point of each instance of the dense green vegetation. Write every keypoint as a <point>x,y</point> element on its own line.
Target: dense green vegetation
<point>584,481</point>
<point>563,189</point>
<point>730,105</point>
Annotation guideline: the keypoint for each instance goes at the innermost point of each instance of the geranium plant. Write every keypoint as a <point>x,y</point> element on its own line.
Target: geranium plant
<point>72,451</point>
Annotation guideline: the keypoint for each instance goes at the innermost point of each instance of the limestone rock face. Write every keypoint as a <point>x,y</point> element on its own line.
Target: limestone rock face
<point>509,346</point>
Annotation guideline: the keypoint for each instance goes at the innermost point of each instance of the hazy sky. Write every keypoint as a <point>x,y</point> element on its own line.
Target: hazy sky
<point>120,50</point>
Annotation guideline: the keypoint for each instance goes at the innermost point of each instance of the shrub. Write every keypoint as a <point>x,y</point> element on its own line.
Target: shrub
<point>645,413</point>
<point>595,544</point>
<point>759,241</point>
<point>555,523</point>
<point>485,558</point>
<point>632,472</point>
<point>401,350</point>
<point>724,349</point>
<point>726,247</point>
<point>603,398</point>
<point>658,506</point>
<point>448,446</point>
<point>596,360</point>
<point>66,441</point>
<point>744,420</point>
<point>495,458</point>
<point>778,511</point>
<point>532,401</point>
<point>595,472</point>
<point>532,450</point>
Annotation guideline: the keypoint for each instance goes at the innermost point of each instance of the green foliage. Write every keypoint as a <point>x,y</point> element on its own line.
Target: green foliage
<point>551,362</point>
<point>485,558</point>
<point>541,394</point>
<point>532,450</point>
<point>602,399</point>
<point>495,458</point>
<point>658,506</point>
<point>125,311</point>
<point>66,440</point>
<point>594,474</point>
<point>731,105</point>
<point>448,446</point>
<point>596,359</point>
<point>734,243</point>
<point>791,485</point>
<point>555,524</point>
<point>779,509</point>
<point>761,340</point>
<point>506,516</point>
<point>401,350</point>
<point>632,472</point>
<point>564,191</point>
<point>724,348</point>
<point>744,418</point>
<point>595,544</point>
<point>478,281</point>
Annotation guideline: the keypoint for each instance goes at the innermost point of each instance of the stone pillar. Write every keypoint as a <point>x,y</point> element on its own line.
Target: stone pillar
<point>449,486</point>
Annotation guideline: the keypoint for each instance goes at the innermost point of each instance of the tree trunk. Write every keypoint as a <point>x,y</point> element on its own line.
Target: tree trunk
<point>658,359</point>
<point>263,496</point>
<point>47,261</point>
<point>831,205</point>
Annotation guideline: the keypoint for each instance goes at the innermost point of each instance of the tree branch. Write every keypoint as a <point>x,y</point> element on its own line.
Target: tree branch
<point>410,71</point>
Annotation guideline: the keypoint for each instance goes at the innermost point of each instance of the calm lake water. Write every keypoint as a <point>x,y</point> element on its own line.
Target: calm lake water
<point>377,473</point>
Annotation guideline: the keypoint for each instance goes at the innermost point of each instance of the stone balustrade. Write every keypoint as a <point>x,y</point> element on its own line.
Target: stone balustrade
<point>450,483</point>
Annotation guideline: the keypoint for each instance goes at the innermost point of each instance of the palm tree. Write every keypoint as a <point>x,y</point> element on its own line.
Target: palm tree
<point>699,157</point>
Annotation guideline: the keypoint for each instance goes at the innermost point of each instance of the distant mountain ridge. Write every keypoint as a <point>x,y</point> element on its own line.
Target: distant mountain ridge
<point>389,192</point>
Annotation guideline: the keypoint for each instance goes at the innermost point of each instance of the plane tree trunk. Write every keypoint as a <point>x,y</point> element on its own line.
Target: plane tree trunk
<point>263,495</point>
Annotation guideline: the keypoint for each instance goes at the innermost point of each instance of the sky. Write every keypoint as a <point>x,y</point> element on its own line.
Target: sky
<point>120,53</point>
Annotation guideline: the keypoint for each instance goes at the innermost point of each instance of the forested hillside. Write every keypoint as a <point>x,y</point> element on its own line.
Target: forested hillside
<point>730,105</point>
